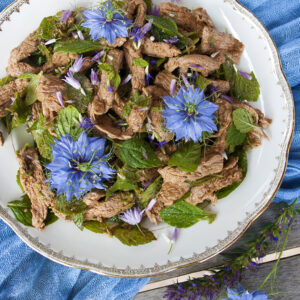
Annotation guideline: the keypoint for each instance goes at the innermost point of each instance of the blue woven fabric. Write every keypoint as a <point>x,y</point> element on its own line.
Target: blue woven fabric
<point>24,274</point>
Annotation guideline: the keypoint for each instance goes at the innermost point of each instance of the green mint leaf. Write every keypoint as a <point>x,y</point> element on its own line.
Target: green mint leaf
<point>202,180</point>
<point>243,164</point>
<point>201,82</point>
<point>107,68</point>
<point>6,80</point>
<point>77,46</point>
<point>132,236</point>
<point>245,89</point>
<point>80,101</point>
<point>122,184</point>
<point>44,140</point>
<point>97,227</point>
<point>137,153</point>
<point>49,28</point>
<point>26,76</point>
<point>182,214</point>
<point>78,220</point>
<point>137,99</point>
<point>139,62</point>
<point>129,173</point>
<point>67,122</point>
<point>22,210</point>
<point>18,179</point>
<point>187,157</point>
<point>51,218</point>
<point>234,138</point>
<point>243,120</point>
<point>113,76</point>
<point>31,94</point>
<point>151,192</point>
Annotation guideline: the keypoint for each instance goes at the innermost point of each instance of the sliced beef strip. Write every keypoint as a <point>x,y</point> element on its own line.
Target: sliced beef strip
<point>153,214</point>
<point>107,209</point>
<point>138,73</point>
<point>221,85</point>
<point>47,88</point>
<point>34,184</point>
<point>104,98</point>
<point>9,90</point>
<point>87,64</point>
<point>230,174</point>
<point>164,80</point>
<point>62,59</point>
<point>137,118</point>
<point>119,42</point>
<point>163,157</point>
<point>137,9</point>
<point>93,197</point>
<point>36,110</point>
<point>159,49</point>
<point>16,64</point>
<point>185,18</point>
<point>213,41</point>
<point>193,61</point>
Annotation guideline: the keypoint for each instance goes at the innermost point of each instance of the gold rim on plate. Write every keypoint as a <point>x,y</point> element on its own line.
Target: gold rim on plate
<point>156,270</point>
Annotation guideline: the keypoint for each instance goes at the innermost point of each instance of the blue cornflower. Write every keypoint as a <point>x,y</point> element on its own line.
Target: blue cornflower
<point>241,294</point>
<point>78,166</point>
<point>106,23</point>
<point>188,114</point>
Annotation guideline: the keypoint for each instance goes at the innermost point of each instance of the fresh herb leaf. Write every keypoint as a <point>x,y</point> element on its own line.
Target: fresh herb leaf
<point>202,180</point>
<point>182,214</point>
<point>78,220</point>
<point>243,120</point>
<point>113,76</point>
<point>201,82</point>
<point>137,99</point>
<point>151,192</point>
<point>140,62</point>
<point>31,94</point>
<point>81,102</point>
<point>137,153</point>
<point>187,157</point>
<point>19,181</point>
<point>49,28</point>
<point>97,227</point>
<point>51,218</point>
<point>122,184</point>
<point>77,46</point>
<point>234,138</point>
<point>42,136</point>
<point>245,89</point>
<point>132,236</point>
<point>6,80</point>
<point>129,173</point>
<point>243,164</point>
<point>22,210</point>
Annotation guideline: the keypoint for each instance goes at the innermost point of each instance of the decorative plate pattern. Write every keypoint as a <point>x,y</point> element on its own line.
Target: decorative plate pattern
<point>63,243</point>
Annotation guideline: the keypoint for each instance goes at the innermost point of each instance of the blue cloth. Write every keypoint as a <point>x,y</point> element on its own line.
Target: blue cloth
<point>25,274</point>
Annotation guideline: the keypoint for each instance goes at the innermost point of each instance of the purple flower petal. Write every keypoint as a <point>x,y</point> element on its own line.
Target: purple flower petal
<point>86,123</point>
<point>110,89</point>
<point>127,79</point>
<point>175,234</point>
<point>78,63</point>
<point>94,78</point>
<point>69,79</point>
<point>173,40</point>
<point>224,154</point>
<point>155,11</point>
<point>60,99</point>
<point>145,155</point>
<point>173,86</point>
<point>246,75</point>
<point>132,216</point>
<point>98,55</point>
<point>185,80</point>
<point>138,33</point>
<point>65,16</point>
<point>80,35</point>
<point>198,67</point>
<point>50,42</point>
<point>227,98</point>
<point>151,204</point>
<point>74,34</point>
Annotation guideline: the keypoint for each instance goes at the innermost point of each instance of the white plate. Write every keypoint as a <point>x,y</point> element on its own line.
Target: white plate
<point>64,243</point>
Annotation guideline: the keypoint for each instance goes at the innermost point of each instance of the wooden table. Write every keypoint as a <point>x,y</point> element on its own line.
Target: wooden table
<point>288,281</point>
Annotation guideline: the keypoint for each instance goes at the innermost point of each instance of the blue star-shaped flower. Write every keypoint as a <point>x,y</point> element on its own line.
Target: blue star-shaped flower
<point>189,115</point>
<point>240,294</point>
<point>78,166</point>
<point>106,23</point>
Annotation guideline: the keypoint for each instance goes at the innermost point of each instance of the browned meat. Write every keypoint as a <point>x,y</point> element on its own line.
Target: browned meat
<point>47,88</point>
<point>213,41</point>
<point>159,49</point>
<point>104,98</point>
<point>104,125</point>
<point>163,157</point>
<point>16,63</point>
<point>62,59</point>
<point>224,116</point>
<point>138,73</point>
<point>263,122</point>
<point>87,64</point>
<point>137,9</point>
<point>153,214</point>
<point>119,42</point>
<point>255,137</point>
<point>164,79</point>
<point>147,174</point>
<point>1,139</point>
<point>221,85</point>
<point>155,92</point>
<point>33,182</point>
<point>93,197</point>
<point>193,61</point>
<point>36,110</point>
<point>116,204</point>
<point>230,174</point>
<point>185,18</point>
<point>9,90</point>
<point>137,118</point>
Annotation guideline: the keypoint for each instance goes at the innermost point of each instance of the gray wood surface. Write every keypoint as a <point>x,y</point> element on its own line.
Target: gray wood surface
<point>288,275</point>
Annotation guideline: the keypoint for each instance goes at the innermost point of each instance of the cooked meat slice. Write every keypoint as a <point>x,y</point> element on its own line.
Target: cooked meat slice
<point>155,92</point>
<point>255,137</point>
<point>34,184</point>
<point>9,90</point>
<point>164,80</point>
<point>197,62</point>
<point>213,41</point>
<point>87,64</point>
<point>171,191</point>
<point>62,59</point>
<point>104,98</point>
<point>16,64</point>
<point>147,174</point>
<point>119,42</point>
<point>138,73</point>
<point>263,122</point>
<point>230,174</point>
<point>104,125</point>
<point>153,213</point>
<point>137,9</point>
<point>185,18</point>
<point>137,118</point>
<point>159,49</point>
<point>163,157</point>
<point>221,85</point>
<point>36,110</point>
<point>116,204</point>
<point>224,116</point>
<point>1,139</point>
<point>93,197</point>
<point>47,88</point>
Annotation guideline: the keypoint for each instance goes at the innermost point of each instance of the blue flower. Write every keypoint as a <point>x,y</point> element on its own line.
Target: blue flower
<point>188,114</point>
<point>241,294</point>
<point>139,32</point>
<point>78,166</point>
<point>106,23</point>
